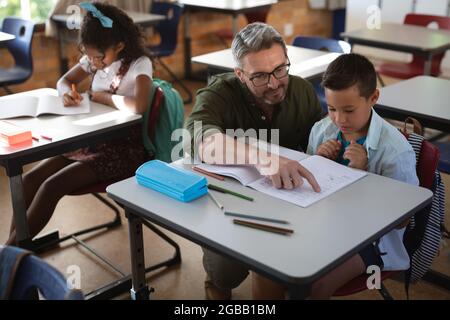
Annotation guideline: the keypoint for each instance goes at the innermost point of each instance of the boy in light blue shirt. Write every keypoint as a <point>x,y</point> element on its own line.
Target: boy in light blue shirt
<point>353,134</point>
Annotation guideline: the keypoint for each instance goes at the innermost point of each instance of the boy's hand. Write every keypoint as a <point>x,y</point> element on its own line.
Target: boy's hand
<point>329,149</point>
<point>72,99</point>
<point>357,155</point>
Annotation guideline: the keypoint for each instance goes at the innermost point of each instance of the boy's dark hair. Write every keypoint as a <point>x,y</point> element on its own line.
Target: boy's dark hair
<point>348,70</point>
<point>123,30</point>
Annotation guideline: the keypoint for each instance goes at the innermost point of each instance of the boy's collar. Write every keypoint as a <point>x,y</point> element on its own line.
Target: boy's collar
<point>374,133</point>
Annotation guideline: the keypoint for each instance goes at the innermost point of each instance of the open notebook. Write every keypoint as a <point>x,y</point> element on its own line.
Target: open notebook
<point>29,106</point>
<point>330,175</point>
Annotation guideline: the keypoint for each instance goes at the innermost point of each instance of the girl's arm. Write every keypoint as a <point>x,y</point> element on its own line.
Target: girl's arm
<point>64,85</point>
<point>136,104</point>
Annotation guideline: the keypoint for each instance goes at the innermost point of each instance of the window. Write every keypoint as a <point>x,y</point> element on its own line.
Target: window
<point>36,10</point>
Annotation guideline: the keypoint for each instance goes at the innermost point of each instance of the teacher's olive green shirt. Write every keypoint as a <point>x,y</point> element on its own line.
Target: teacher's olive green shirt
<point>228,104</point>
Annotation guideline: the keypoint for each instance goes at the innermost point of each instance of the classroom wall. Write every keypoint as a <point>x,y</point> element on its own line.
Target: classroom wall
<point>291,18</point>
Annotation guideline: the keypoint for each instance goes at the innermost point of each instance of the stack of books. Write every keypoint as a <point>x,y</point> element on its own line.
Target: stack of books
<point>12,134</point>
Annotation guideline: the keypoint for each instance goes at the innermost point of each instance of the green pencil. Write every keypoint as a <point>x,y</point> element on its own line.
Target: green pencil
<point>223,190</point>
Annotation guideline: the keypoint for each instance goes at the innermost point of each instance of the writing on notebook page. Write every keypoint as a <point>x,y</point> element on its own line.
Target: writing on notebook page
<point>30,106</point>
<point>330,175</point>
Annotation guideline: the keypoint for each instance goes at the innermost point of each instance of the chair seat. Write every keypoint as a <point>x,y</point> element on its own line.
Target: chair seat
<point>160,51</point>
<point>224,34</point>
<point>404,70</point>
<point>359,284</point>
<point>14,75</point>
<point>444,160</point>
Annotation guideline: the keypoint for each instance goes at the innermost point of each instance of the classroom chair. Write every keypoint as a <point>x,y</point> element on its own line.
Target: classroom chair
<point>20,49</point>
<point>24,274</point>
<point>322,44</point>
<point>444,161</point>
<point>225,35</point>
<point>426,167</point>
<point>168,32</point>
<point>416,66</point>
<point>97,188</point>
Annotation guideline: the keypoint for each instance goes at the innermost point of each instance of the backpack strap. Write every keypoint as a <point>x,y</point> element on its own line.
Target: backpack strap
<point>416,140</point>
<point>154,112</point>
<point>417,126</point>
<point>151,117</point>
<point>10,259</point>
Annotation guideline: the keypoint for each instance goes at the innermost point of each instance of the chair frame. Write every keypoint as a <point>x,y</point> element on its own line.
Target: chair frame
<point>355,285</point>
<point>166,9</point>
<point>25,60</point>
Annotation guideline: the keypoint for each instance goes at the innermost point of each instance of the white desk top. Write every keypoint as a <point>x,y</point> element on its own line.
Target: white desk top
<point>65,127</point>
<point>424,95</point>
<point>304,62</point>
<point>326,233</point>
<point>6,36</point>
<point>137,17</point>
<point>229,5</point>
<point>402,35</point>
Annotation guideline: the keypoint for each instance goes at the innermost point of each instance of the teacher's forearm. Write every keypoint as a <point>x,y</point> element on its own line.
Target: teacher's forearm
<point>220,148</point>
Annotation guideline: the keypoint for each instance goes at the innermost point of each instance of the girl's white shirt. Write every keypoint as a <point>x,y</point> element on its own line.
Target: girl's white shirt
<point>103,78</point>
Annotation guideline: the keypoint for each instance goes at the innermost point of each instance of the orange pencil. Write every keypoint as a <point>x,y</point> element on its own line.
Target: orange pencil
<point>213,175</point>
<point>74,88</point>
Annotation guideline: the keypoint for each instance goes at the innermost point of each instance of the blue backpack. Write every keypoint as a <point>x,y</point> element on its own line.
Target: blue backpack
<point>162,118</point>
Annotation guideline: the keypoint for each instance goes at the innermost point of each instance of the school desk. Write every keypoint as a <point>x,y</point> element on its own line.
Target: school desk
<point>401,37</point>
<point>424,98</point>
<point>67,35</point>
<point>325,234</point>
<point>6,37</point>
<point>233,8</point>
<point>67,133</point>
<point>305,63</point>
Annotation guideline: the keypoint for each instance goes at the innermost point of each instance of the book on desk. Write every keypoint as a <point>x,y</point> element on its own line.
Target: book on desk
<point>11,134</point>
<point>330,175</point>
<point>30,106</point>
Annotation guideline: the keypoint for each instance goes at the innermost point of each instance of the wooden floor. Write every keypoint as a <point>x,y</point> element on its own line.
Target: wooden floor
<point>182,282</point>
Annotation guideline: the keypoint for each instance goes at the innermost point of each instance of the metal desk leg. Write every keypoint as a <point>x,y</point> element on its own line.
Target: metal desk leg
<point>187,47</point>
<point>235,24</point>
<point>438,279</point>
<point>19,211</point>
<point>63,61</point>
<point>139,289</point>
<point>300,292</point>
<point>427,66</point>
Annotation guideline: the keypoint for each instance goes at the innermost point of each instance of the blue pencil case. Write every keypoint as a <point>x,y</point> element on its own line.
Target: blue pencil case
<point>177,183</point>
